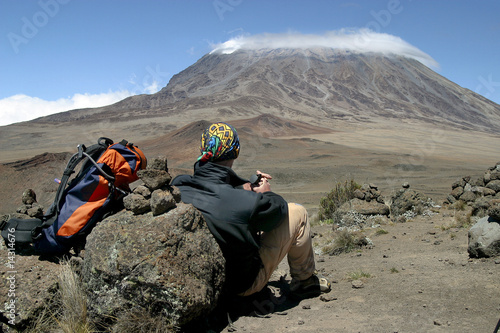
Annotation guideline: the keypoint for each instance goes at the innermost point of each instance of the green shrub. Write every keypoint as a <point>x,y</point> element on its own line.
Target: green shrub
<point>358,275</point>
<point>339,195</point>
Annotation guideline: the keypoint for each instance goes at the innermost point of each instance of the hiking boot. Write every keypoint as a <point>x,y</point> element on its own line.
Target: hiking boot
<point>311,287</point>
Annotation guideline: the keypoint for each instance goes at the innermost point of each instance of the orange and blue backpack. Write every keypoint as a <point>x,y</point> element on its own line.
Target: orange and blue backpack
<point>94,193</point>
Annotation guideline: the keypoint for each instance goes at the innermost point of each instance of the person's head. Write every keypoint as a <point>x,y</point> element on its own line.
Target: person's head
<point>219,144</point>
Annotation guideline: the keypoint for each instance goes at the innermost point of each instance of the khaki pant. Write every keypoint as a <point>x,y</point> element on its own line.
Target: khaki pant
<point>292,237</point>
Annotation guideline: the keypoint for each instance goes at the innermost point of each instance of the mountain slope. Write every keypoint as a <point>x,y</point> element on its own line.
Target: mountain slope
<point>326,84</point>
<point>316,85</point>
<point>338,90</point>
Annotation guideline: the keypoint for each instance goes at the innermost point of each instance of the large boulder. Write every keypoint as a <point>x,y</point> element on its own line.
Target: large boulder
<point>484,238</point>
<point>494,185</point>
<point>163,266</point>
<point>168,265</point>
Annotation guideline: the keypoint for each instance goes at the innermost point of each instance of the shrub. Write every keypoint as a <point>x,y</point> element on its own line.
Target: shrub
<point>463,220</point>
<point>358,275</point>
<point>459,205</point>
<point>346,241</point>
<point>340,194</point>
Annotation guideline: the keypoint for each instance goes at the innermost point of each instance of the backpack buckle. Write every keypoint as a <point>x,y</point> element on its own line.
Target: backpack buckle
<point>36,233</point>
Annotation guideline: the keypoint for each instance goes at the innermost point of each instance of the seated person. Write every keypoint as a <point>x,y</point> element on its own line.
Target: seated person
<point>254,227</point>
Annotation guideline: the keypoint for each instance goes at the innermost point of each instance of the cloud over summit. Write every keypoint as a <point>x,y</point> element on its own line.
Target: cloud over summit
<point>361,41</point>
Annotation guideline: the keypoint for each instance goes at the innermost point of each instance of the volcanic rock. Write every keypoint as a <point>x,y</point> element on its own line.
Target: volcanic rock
<point>154,179</point>
<point>484,238</point>
<point>161,201</point>
<point>136,203</point>
<point>29,197</point>
<point>168,264</point>
<point>408,200</point>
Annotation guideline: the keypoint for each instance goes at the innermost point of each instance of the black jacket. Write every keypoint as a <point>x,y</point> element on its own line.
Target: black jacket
<point>234,216</point>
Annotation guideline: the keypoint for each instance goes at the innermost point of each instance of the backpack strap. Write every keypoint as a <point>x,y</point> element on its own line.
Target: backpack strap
<point>91,153</point>
<point>109,177</point>
<point>36,232</point>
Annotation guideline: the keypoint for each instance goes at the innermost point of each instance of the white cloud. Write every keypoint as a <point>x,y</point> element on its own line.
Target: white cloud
<point>21,107</point>
<point>359,40</point>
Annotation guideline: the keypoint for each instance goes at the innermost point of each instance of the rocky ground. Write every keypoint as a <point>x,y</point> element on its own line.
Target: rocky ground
<point>416,277</point>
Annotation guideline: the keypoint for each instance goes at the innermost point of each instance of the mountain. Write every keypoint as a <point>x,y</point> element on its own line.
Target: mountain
<point>316,85</point>
<point>321,87</point>
<point>307,116</point>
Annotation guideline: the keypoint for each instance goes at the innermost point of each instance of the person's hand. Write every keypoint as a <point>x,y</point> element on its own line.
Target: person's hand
<point>263,186</point>
<point>264,175</point>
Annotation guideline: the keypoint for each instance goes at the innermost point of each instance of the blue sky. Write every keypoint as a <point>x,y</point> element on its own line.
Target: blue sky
<point>57,55</point>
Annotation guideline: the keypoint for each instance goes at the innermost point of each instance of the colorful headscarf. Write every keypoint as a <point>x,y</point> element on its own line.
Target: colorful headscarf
<point>219,142</point>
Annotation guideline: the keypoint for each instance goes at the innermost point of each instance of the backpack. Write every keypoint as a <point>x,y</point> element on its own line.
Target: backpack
<point>93,194</point>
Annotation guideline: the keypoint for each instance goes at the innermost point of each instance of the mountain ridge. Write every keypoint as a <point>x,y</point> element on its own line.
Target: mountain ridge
<point>317,85</point>
<point>338,90</point>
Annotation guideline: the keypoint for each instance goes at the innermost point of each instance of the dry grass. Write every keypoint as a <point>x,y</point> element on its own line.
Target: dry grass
<point>69,307</point>
<point>345,241</point>
<point>68,312</point>
<point>462,219</point>
<point>73,302</point>
<point>458,205</point>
